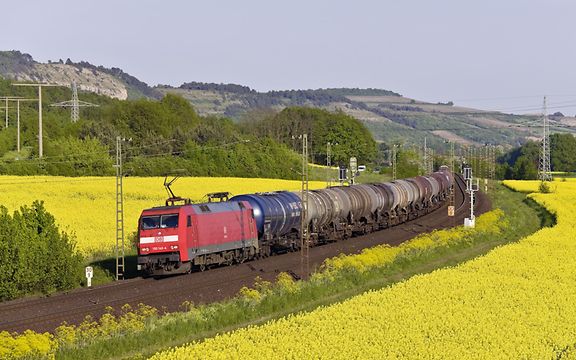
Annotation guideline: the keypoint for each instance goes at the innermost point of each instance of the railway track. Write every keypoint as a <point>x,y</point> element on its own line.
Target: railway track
<point>46,313</point>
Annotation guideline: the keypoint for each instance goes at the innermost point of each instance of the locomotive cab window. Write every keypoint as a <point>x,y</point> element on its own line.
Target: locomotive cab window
<point>162,221</point>
<point>150,222</point>
<point>169,221</point>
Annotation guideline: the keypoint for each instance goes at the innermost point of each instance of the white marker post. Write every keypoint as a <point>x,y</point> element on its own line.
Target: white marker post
<point>89,274</point>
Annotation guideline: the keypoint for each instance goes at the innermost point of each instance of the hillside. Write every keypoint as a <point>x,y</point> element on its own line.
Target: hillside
<point>391,117</point>
<point>113,82</point>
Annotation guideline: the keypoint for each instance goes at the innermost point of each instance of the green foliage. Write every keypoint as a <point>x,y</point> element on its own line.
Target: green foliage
<point>75,157</point>
<point>563,152</point>
<point>349,136</point>
<point>163,136</point>
<point>544,187</point>
<point>525,169</point>
<point>34,255</point>
<point>522,163</point>
<point>407,163</point>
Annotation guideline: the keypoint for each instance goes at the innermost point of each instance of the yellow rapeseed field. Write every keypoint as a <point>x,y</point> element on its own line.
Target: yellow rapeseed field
<point>515,302</point>
<point>87,206</point>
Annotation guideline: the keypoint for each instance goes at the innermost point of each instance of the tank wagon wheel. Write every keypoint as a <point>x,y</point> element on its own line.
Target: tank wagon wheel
<point>202,267</point>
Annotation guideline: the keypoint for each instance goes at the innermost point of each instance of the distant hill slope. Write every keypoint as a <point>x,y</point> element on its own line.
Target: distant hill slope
<point>112,82</point>
<point>391,117</point>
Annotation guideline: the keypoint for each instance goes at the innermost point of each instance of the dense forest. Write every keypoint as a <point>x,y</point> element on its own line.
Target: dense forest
<point>165,135</point>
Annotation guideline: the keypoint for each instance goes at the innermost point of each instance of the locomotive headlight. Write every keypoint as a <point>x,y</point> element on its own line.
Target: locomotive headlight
<point>174,247</point>
<point>145,249</point>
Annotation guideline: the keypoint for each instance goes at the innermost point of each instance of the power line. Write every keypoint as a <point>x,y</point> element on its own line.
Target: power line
<point>561,105</point>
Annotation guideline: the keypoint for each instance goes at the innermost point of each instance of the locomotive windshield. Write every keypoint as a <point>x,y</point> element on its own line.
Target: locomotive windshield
<point>159,221</point>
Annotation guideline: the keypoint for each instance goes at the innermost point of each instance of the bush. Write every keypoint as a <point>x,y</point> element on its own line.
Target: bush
<point>34,255</point>
<point>544,188</point>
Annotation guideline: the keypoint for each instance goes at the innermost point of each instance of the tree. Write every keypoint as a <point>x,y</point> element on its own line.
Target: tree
<point>563,152</point>
<point>407,163</point>
<point>523,161</point>
<point>34,255</point>
<point>82,157</point>
<point>525,169</point>
<point>322,127</point>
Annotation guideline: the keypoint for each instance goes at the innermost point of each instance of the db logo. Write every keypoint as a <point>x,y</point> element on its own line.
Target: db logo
<point>158,239</point>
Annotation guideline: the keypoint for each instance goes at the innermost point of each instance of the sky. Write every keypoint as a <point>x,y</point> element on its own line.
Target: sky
<point>490,54</point>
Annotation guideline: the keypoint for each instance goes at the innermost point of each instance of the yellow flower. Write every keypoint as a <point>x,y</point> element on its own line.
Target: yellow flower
<point>515,302</point>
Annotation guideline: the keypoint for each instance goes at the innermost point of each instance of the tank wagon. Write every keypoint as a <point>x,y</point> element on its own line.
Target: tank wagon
<point>180,238</point>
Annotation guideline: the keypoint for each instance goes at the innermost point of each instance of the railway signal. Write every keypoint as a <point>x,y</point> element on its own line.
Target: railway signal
<point>471,188</point>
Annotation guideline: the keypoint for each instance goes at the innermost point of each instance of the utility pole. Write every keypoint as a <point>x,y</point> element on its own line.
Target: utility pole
<point>119,212</point>
<point>452,156</point>
<point>6,106</point>
<point>425,159</point>
<point>18,121</point>
<point>394,162</point>
<point>40,86</point>
<point>544,173</point>
<point>473,158</point>
<point>451,200</point>
<point>493,163</point>
<point>304,233</point>
<point>430,164</point>
<point>328,163</point>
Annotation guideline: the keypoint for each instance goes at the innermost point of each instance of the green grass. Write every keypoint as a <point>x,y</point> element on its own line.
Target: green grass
<point>525,217</point>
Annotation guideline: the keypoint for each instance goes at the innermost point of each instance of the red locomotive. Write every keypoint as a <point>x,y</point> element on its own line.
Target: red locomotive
<point>174,238</point>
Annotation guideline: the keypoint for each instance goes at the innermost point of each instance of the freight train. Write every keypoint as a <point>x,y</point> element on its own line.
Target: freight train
<point>180,238</point>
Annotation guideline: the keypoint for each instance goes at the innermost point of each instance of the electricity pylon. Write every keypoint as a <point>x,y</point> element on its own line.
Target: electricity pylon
<point>74,104</point>
<point>544,173</point>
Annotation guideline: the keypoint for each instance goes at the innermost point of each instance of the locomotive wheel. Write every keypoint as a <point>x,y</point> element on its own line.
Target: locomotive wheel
<point>202,267</point>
